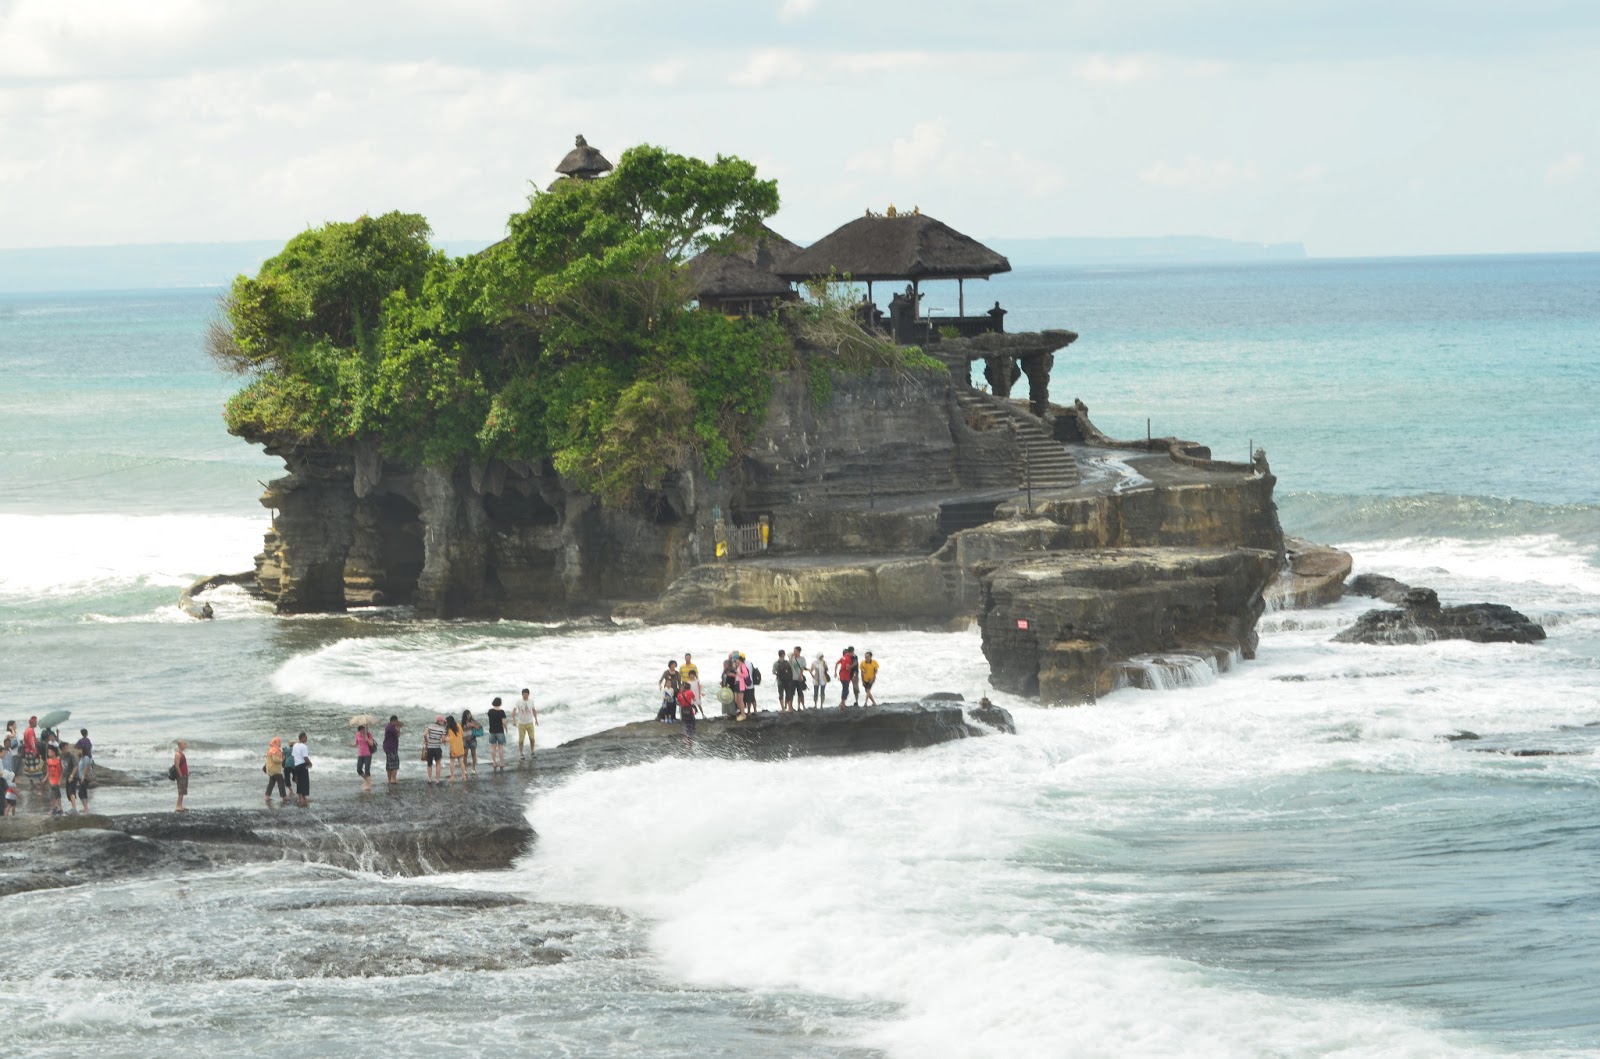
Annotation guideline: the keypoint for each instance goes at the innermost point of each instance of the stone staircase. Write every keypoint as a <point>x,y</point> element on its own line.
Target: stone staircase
<point>1041,459</point>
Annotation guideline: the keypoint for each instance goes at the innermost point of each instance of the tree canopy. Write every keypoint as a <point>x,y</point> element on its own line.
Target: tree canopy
<point>573,340</point>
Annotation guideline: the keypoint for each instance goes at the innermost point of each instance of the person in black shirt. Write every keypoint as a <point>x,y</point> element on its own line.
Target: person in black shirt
<point>497,735</point>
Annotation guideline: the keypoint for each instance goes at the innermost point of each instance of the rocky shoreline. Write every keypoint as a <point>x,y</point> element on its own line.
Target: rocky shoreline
<point>416,830</point>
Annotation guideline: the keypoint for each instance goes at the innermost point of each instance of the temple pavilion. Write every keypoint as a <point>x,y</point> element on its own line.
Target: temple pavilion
<point>911,247</point>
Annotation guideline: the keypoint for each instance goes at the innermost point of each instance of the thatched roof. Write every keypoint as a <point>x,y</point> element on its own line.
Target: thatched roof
<point>719,277</point>
<point>743,273</point>
<point>583,161</point>
<point>911,246</point>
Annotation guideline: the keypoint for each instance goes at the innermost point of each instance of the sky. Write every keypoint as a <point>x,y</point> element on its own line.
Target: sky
<point>1355,127</point>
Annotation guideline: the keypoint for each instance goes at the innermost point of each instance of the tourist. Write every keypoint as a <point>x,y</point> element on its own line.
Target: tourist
<point>497,736</point>
<point>69,777</point>
<point>728,690</point>
<point>457,742</point>
<point>85,770</point>
<point>470,732</point>
<point>365,745</point>
<point>32,759</point>
<point>855,675</point>
<point>9,744</point>
<point>301,755</point>
<point>276,780</point>
<point>845,669</point>
<point>433,748</point>
<point>526,718</point>
<point>797,663</point>
<point>688,703</point>
<point>690,674</point>
<point>180,762</point>
<point>8,789</point>
<point>52,774</point>
<point>668,684</point>
<point>820,680</point>
<point>784,675</point>
<point>744,689</point>
<point>869,673</point>
<point>391,748</point>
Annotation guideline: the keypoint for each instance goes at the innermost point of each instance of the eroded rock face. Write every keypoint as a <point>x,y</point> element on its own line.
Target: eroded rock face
<point>1312,576</point>
<point>1052,625</point>
<point>1421,619</point>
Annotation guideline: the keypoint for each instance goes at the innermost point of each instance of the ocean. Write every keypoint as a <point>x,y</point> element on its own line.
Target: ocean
<point>1288,859</point>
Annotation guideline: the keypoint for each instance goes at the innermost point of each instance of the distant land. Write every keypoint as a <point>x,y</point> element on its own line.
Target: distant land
<point>170,265</point>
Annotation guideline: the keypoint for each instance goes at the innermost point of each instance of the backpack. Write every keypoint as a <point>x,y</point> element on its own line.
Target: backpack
<point>755,675</point>
<point>782,670</point>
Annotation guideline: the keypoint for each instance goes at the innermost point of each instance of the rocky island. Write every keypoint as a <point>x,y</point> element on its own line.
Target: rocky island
<point>626,409</point>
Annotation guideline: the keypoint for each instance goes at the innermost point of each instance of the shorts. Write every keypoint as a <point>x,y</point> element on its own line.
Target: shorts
<point>183,786</point>
<point>391,760</point>
<point>497,739</point>
<point>435,753</point>
<point>868,684</point>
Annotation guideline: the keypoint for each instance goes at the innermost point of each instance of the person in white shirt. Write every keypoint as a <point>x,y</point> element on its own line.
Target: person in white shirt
<point>819,678</point>
<point>302,772</point>
<point>526,717</point>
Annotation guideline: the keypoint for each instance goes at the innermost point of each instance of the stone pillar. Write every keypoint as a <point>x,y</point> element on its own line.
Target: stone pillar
<point>311,537</point>
<point>1037,368</point>
<point>454,545</point>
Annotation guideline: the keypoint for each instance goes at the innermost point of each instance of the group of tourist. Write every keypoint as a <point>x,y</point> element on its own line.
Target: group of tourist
<point>682,698</point>
<point>46,764</point>
<point>447,743</point>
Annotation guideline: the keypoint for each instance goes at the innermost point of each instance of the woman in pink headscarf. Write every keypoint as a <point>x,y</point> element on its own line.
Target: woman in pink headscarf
<point>274,771</point>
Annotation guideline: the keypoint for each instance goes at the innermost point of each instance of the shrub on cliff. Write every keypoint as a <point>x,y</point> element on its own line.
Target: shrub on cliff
<point>572,341</point>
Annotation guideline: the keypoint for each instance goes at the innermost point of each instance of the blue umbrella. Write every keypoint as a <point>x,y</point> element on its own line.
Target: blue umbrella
<point>53,719</point>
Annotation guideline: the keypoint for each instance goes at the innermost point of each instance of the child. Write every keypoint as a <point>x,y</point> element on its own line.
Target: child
<point>8,784</point>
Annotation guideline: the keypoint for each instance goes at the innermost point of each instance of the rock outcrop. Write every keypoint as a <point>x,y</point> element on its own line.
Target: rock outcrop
<point>1421,619</point>
<point>897,497</point>
<point>1313,575</point>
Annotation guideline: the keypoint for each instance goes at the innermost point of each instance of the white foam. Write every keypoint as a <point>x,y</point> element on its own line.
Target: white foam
<point>48,556</point>
<point>1479,566</point>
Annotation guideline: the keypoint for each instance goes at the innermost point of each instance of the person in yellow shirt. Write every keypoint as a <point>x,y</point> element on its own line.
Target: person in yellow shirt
<point>869,673</point>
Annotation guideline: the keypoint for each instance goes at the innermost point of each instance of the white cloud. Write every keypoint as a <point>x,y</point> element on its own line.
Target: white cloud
<point>1197,174</point>
<point>791,10</point>
<point>772,66</point>
<point>1565,169</point>
<point>1107,70</point>
<point>926,145</point>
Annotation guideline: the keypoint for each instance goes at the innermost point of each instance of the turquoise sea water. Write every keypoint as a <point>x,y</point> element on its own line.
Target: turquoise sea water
<point>1287,859</point>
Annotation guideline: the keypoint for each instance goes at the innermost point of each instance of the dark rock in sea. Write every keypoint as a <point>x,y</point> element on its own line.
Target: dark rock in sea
<point>771,735</point>
<point>1461,735</point>
<point>995,717</point>
<point>944,696</point>
<point>1422,620</point>
<point>1377,586</point>
<point>1527,752</point>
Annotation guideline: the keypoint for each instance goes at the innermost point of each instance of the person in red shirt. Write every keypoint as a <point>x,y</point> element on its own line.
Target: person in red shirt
<point>687,705</point>
<point>845,669</point>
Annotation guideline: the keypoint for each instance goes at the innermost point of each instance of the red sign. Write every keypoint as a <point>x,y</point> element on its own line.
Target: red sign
<point>1022,623</point>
